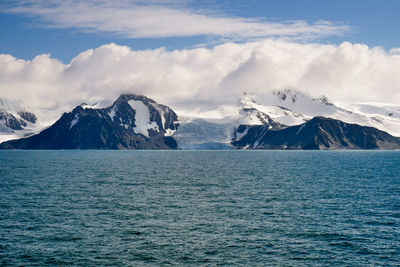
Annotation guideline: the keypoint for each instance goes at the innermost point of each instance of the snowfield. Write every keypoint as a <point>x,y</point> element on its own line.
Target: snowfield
<point>142,118</point>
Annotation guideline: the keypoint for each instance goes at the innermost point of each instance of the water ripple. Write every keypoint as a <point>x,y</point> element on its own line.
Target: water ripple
<point>200,208</point>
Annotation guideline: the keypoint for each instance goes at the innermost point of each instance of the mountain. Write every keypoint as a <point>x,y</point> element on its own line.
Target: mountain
<point>276,116</point>
<point>15,120</point>
<point>317,133</point>
<point>279,110</point>
<point>285,120</point>
<point>217,128</point>
<point>131,122</point>
<point>383,118</point>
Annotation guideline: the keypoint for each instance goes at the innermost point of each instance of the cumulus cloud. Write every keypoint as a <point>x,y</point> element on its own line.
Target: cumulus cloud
<point>162,18</point>
<point>203,78</point>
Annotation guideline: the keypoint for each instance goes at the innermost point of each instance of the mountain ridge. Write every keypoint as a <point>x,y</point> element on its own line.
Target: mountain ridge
<point>113,127</point>
<point>137,122</point>
<point>319,133</point>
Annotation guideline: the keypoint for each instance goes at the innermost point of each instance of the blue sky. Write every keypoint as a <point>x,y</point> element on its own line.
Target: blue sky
<point>27,33</point>
<point>55,54</point>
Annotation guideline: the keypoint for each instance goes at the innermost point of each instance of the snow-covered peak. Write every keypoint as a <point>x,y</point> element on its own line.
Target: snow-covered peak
<point>258,113</point>
<point>384,118</point>
<point>324,100</point>
<point>96,105</point>
<point>302,103</point>
<point>143,115</point>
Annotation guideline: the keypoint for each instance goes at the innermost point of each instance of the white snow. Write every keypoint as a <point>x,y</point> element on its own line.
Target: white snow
<point>6,137</point>
<point>161,114</point>
<point>97,105</point>
<point>277,113</point>
<point>74,121</point>
<point>218,125</point>
<point>112,112</point>
<point>240,135</point>
<point>301,128</point>
<point>169,132</point>
<point>382,117</point>
<point>142,118</point>
<point>13,107</point>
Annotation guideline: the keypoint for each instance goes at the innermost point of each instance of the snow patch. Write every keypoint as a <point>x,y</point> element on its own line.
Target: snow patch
<point>169,132</point>
<point>240,135</point>
<point>301,128</point>
<point>142,118</point>
<point>277,113</point>
<point>162,115</point>
<point>112,112</point>
<point>74,120</point>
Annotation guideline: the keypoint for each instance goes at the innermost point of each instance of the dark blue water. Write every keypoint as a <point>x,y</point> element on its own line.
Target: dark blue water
<point>155,208</point>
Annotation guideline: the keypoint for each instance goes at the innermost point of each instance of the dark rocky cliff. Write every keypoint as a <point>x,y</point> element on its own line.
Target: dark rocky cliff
<point>318,133</point>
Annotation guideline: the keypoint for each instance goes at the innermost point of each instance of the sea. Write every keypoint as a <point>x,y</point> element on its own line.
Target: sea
<point>199,208</point>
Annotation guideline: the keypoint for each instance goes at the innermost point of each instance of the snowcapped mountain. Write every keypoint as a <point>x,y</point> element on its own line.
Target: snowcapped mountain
<point>15,120</point>
<point>276,116</point>
<point>383,118</point>
<point>219,127</point>
<point>143,115</point>
<point>131,122</point>
<point>137,122</point>
<point>281,109</point>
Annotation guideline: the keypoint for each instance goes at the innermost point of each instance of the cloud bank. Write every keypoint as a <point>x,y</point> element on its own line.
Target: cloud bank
<point>162,18</point>
<point>201,79</point>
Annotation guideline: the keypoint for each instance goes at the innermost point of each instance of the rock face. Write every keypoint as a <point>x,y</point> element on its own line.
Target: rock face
<point>131,122</point>
<point>9,121</point>
<point>317,133</point>
<point>28,116</point>
<point>14,117</point>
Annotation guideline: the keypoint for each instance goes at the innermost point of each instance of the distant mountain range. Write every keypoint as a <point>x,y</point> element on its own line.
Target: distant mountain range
<point>290,120</point>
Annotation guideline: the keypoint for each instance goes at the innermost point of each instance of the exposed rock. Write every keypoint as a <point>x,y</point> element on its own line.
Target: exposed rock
<point>28,116</point>
<point>318,133</point>
<point>119,126</point>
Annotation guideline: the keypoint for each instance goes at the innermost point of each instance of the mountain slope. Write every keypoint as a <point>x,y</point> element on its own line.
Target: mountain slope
<point>131,122</point>
<point>383,118</point>
<point>318,133</point>
<point>280,109</point>
<point>217,131</point>
<point>15,120</point>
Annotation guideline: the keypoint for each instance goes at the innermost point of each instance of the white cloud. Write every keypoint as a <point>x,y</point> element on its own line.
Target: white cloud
<point>162,18</point>
<point>203,78</point>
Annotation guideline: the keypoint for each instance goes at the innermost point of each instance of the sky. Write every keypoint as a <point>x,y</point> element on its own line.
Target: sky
<point>56,54</point>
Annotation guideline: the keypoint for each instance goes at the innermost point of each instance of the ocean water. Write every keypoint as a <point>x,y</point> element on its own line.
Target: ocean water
<point>199,208</point>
